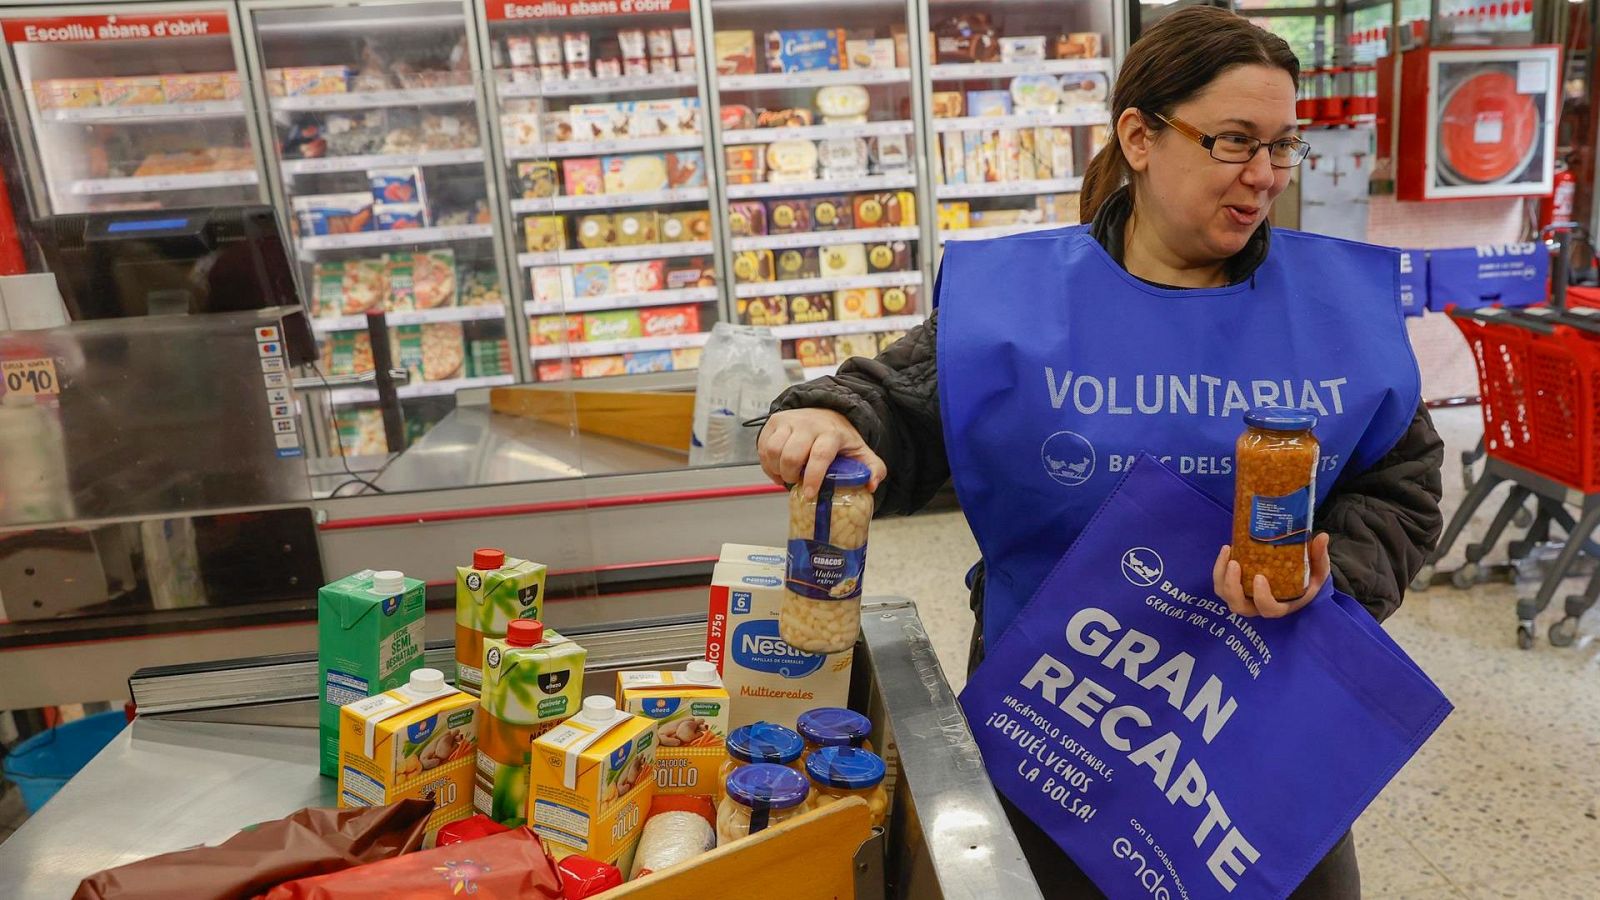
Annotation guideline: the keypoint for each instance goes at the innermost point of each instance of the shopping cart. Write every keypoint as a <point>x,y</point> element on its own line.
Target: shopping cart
<point>1539,380</point>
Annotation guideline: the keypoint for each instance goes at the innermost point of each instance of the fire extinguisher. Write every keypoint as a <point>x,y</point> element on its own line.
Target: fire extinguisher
<point>1557,207</point>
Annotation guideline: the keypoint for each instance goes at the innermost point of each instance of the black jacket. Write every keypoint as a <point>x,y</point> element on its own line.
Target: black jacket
<point>1382,521</point>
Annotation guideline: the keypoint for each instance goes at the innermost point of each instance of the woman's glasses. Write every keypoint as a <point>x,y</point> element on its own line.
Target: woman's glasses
<point>1229,147</point>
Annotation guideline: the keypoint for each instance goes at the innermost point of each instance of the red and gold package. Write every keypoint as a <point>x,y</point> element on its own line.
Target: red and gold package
<point>808,309</point>
<point>858,303</point>
<point>554,370</point>
<point>660,321</point>
<point>508,866</point>
<point>889,209</point>
<point>602,366</point>
<point>892,256</point>
<point>747,163</point>
<point>764,312</point>
<point>899,301</point>
<point>545,331</point>
<point>814,351</point>
<point>753,265</point>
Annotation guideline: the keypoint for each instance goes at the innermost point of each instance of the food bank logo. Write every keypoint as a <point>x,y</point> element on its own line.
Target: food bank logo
<point>1142,566</point>
<point>1068,458</point>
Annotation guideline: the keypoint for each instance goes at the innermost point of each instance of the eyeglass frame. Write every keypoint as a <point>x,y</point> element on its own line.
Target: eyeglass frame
<point>1209,142</point>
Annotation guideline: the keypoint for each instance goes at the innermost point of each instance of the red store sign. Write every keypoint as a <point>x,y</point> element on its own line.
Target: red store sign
<point>537,10</point>
<point>92,29</point>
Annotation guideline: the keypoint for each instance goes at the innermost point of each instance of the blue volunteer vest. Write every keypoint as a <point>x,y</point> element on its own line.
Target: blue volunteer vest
<point>1057,368</point>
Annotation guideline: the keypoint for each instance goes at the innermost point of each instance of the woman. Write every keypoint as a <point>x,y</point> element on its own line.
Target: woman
<point>1151,329</point>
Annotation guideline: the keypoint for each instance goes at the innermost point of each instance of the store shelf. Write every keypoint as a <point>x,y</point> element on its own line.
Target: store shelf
<point>822,186</point>
<point>1087,115</point>
<point>141,184</point>
<point>607,302</point>
<point>597,148</point>
<point>1008,188</point>
<point>382,161</point>
<point>980,234</point>
<point>785,80</point>
<point>825,238</point>
<point>825,285</point>
<point>608,348</point>
<point>464,93</point>
<point>966,71</point>
<point>343,396</point>
<point>815,132</point>
<point>598,86</point>
<point>158,112</point>
<point>397,237</point>
<point>615,254</point>
<point>854,326</point>
<point>610,201</point>
<point>412,317</point>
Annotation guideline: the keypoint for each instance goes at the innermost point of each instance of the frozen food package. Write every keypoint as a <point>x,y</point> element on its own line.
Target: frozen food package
<point>967,38</point>
<point>1078,45</point>
<point>1022,48</point>
<point>843,103</point>
<point>686,169</point>
<point>805,49</point>
<point>433,277</point>
<point>694,225</point>
<point>308,842</point>
<point>443,351</point>
<point>844,260</point>
<point>763,312</point>
<point>890,153</point>
<point>798,262</point>
<point>315,80</point>
<point>639,277</point>
<point>955,215</point>
<point>366,285</point>
<point>648,362</point>
<point>597,121</point>
<point>843,157</point>
<point>948,104</point>
<point>955,158</point>
<point>510,864</point>
<point>662,321</point>
<point>788,216</point>
<point>543,234</point>
<point>746,163</point>
<point>596,230</point>
<point>133,91</point>
<point>890,256</point>
<point>635,174</point>
<point>858,303</point>
<point>536,179</point>
<point>575,46</point>
<point>321,214</point>
<point>783,117</point>
<point>522,129</point>
<point>552,285</point>
<point>830,213</point>
<point>632,43</point>
<point>753,265</point>
<point>683,41</point>
<point>1035,93</point>
<point>694,271</point>
<point>67,93</point>
<point>809,309</point>
<point>638,227</point>
<point>602,366</point>
<point>735,52</point>
<point>592,279</point>
<point>582,175</point>
<point>519,51</point>
<point>659,43</point>
<point>870,53</point>
<point>846,346</point>
<point>608,67</point>
<point>792,160</point>
<point>747,218</point>
<point>898,301</point>
<point>988,103</point>
<point>396,216</point>
<point>194,88</point>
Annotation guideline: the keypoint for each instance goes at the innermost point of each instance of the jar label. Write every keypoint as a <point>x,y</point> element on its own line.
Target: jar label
<point>1281,520</point>
<point>822,571</point>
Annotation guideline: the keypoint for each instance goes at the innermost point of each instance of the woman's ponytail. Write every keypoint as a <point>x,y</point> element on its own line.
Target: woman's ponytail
<point>1105,174</point>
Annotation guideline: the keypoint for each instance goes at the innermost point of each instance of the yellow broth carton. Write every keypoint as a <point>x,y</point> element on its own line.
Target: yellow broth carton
<point>591,780</point>
<point>416,741</point>
<point>690,710</point>
<point>532,680</point>
<point>490,593</point>
<point>767,679</point>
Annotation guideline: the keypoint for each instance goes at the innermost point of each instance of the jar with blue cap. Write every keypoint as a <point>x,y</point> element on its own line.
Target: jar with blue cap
<point>840,772</point>
<point>761,743</point>
<point>760,796</point>
<point>821,611</point>
<point>1275,495</point>
<point>833,726</point>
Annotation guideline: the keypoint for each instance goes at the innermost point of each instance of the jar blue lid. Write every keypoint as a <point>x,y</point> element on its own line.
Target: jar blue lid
<point>847,472</point>
<point>768,786</point>
<point>832,726</point>
<point>764,742</point>
<point>1281,418</point>
<point>850,768</point>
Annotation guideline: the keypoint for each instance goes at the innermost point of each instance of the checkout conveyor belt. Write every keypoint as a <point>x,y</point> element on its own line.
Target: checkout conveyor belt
<point>220,746</point>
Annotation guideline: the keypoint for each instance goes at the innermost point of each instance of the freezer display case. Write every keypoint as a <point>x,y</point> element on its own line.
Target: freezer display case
<point>1020,102</point>
<point>137,106</point>
<point>376,120</point>
<point>607,183</point>
<point>817,112</point>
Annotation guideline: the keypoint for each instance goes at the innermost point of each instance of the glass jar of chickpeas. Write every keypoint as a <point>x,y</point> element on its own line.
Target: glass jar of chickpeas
<point>758,797</point>
<point>821,610</point>
<point>761,743</point>
<point>1275,494</point>
<point>833,726</point>
<point>840,772</point>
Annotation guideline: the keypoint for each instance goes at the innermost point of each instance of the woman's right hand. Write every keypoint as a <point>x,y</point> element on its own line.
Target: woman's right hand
<point>803,442</point>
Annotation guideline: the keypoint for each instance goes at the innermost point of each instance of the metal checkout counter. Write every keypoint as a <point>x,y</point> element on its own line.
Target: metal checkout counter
<point>160,536</point>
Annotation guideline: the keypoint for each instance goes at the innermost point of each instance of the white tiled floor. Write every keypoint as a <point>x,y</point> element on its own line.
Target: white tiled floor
<point>1500,803</point>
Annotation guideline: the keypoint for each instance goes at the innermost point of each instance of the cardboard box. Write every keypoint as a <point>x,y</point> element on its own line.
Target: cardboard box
<point>602,366</point>
<point>597,230</point>
<point>536,179</point>
<point>638,277</point>
<point>766,679</point>
<point>544,234</point>
<point>582,176</point>
<point>686,169</point>
<point>592,279</point>
<point>617,325</point>
<point>648,362</point>
<point>805,50</point>
<point>734,52</point>
<point>369,640</point>
<point>764,312</point>
<point>547,331</point>
<point>691,712</point>
<point>591,780</point>
<point>798,262</point>
<point>142,90</point>
<point>754,555</point>
<point>638,173</point>
<point>310,80</point>
<point>196,88</point>
<point>640,227</point>
<point>858,303</point>
<point>870,53</point>
<point>843,260</point>
<point>899,301</point>
<point>553,285</point>
<point>402,184</point>
<point>808,309</point>
<point>418,741</point>
<point>67,93</point>
<point>694,225</point>
<point>663,321</point>
<point>487,599</point>
<point>321,214</point>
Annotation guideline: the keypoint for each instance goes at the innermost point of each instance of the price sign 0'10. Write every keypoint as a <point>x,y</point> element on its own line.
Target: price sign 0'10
<point>30,377</point>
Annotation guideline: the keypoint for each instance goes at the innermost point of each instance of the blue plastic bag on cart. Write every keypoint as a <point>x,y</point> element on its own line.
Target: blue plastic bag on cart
<point>1504,274</point>
<point>1413,282</point>
<point>1171,748</point>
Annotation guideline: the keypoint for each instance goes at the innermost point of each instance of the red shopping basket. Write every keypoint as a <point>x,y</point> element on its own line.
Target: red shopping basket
<point>1500,351</point>
<point>1583,296</point>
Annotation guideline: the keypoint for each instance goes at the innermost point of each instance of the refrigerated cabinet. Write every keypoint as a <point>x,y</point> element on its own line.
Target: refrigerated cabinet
<point>130,106</point>
<point>375,118</point>
<point>604,166</point>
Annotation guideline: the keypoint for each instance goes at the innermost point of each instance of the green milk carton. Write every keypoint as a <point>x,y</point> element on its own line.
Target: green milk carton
<point>490,594</point>
<point>532,681</point>
<point>369,640</point>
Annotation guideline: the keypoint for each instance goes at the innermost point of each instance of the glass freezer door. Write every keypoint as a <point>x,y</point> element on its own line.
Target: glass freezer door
<point>376,122</point>
<point>130,107</point>
<point>817,116</point>
<point>605,153</point>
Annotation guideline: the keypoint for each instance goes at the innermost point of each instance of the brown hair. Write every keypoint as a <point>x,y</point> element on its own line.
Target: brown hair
<point>1169,64</point>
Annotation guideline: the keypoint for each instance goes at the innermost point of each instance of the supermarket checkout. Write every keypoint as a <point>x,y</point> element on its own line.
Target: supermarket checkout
<point>1055,359</point>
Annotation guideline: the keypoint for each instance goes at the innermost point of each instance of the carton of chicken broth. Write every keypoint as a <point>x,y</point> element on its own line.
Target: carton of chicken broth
<point>690,710</point>
<point>766,679</point>
<point>590,783</point>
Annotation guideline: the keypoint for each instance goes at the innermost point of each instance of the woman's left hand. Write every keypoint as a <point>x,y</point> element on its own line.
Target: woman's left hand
<point>1226,575</point>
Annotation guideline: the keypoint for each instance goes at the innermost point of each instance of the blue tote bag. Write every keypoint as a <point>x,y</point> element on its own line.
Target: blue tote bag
<point>1171,748</point>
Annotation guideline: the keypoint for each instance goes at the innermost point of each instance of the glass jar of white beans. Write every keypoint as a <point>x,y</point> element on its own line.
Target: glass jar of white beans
<point>821,610</point>
<point>758,797</point>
